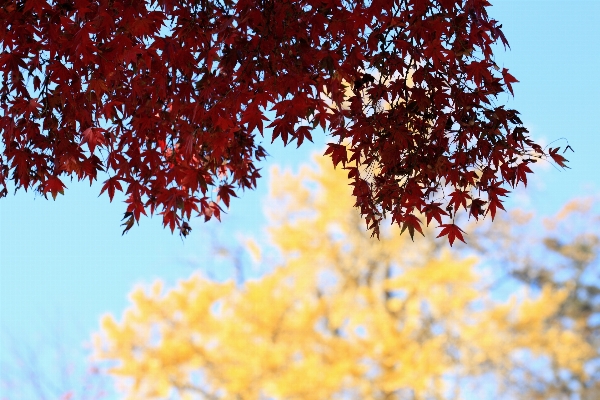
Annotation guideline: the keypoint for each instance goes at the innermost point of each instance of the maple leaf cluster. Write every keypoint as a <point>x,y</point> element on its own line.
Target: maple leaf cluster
<point>168,98</point>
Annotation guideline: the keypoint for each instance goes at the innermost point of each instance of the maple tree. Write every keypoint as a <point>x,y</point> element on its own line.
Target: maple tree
<point>169,96</point>
<point>342,317</point>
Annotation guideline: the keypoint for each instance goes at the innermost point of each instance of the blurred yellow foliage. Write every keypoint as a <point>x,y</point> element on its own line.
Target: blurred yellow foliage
<point>344,316</point>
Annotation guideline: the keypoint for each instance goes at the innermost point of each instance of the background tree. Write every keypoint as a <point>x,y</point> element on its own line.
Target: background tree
<point>168,97</point>
<point>566,258</point>
<point>345,317</point>
<point>50,368</point>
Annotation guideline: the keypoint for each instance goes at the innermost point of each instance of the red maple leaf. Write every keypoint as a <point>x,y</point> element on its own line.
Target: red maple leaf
<point>55,186</point>
<point>494,191</point>
<point>453,232</point>
<point>459,198</point>
<point>93,137</point>
<point>111,184</point>
<point>521,173</point>
<point>433,210</point>
<point>476,208</point>
<point>560,160</point>
<point>224,193</point>
<point>508,80</point>
<point>338,153</point>
<point>254,118</point>
<point>412,223</point>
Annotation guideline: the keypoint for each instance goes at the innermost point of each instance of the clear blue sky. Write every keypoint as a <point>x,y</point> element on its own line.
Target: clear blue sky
<point>65,263</point>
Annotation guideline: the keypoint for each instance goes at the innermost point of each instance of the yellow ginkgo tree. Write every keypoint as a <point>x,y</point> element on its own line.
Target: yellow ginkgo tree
<point>344,316</point>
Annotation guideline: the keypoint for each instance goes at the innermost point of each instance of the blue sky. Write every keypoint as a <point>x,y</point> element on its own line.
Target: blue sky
<point>64,263</point>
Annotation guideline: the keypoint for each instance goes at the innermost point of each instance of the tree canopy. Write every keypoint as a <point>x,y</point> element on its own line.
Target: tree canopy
<point>168,97</point>
<point>342,317</point>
